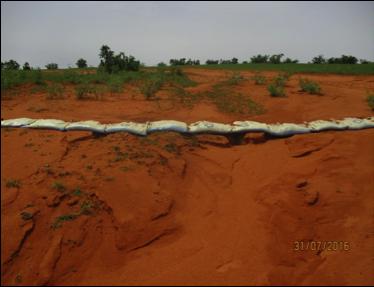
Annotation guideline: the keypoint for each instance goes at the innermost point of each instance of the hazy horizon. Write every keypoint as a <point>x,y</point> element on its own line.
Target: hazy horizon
<point>153,32</point>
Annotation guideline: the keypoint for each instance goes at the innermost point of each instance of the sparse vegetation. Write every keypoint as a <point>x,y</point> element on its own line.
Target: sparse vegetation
<point>59,187</point>
<point>13,183</point>
<point>77,191</point>
<point>276,90</point>
<point>309,86</point>
<point>26,215</point>
<point>235,79</point>
<point>55,91</point>
<point>370,100</point>
<point>259,78</point>
<point>61,219</point>
<point>282,78</point>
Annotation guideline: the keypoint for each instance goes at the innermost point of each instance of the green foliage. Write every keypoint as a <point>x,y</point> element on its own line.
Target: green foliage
<point>26,216</point>
<point>183,61</point>
<point>370,100</point>
<point>85,91</point>
<point>281,79</point>
<point>13,183</point>
<point>55,91</point>
<point>161,64</point>
<point>61,219</point>
<point>10,65</point>
<point>151,87</point>
<point>259,59</point>
<point>211,62</point>
<point>112,63</point>
<point>115,85</point>
<point>72,77</point>
<point>77,192</point>
<point>59,187</point>
<point>228,102</point>
<point>51,66</point>
<point>309,86</point>
<point>344,59</point>
<point>81,63</point>
<point>38,77</point>
<point>276,59</point>
<point>319,60</point>
<point>276,90</point>
<point>259,78</point>
<point>26,66</point>
<point>290,61</point>
<point>341,69</point>
<point>234,79</point>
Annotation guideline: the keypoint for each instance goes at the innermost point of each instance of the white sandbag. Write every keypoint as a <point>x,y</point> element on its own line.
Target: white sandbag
<point>287,129</point>
<point>49,124</point>
<point>165,125</point>
<point>16,122</point>
<point>92,126</point>
<point>209,127</point>
<point>249,126</point>
<point>321,125</point>
<point>130,127</point>
<point>356,124</point>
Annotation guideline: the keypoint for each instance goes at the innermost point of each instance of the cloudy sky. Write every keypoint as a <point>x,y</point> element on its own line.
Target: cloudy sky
<point>43,32</point>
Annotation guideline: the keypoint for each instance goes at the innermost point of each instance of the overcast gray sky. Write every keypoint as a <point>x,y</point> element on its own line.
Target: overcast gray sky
<point>44,32</point>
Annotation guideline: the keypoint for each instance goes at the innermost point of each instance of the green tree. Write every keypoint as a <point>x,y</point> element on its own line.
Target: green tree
<point>81,63</point>
<point>51,66</point>
<point>26,66</point>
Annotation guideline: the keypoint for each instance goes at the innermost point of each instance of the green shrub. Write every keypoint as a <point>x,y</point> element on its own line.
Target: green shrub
<point>276,90</point>
<point>85,91</point>
<point>234,79</point>
<point>115,85</point>
<point>13,183</point>
<point>59,187</point>
<point>55,91</point>
<point>281,79</point>
<point>151,87</point>
<point>370,100</point>
<point>259,78</point>
<point>38,77</point>
<point>72,77</point>
<point>309,86</point>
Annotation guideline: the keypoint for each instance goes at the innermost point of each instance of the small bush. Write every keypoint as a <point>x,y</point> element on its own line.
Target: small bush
<point>86,91</point>
<point>150,88</point>
<point>235,79</point>
<point>276,90</point>
<point>115,85</point>
<point>309,87</point>
<point>370,100</point>
<point>55,91</point>
<point>259,79</point>
<point>281,79</point>
<point>59,220</point>
<point>13,183</point>
<point>59,186</point>
<point>71,77</point>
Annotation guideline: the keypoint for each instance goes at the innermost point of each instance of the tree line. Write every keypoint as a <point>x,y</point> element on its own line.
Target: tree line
<point>113,63</point>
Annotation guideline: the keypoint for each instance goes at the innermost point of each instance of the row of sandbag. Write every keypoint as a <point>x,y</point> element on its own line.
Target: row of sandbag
<point>278,129</point>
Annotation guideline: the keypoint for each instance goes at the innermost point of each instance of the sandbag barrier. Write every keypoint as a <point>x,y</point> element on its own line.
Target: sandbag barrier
<point>235,132</point>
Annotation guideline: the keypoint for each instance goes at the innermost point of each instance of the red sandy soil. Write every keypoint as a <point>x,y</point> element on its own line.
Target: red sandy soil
<point>169,209</point>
